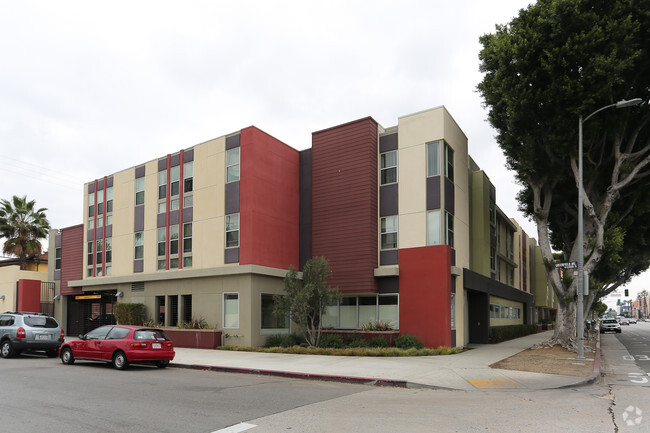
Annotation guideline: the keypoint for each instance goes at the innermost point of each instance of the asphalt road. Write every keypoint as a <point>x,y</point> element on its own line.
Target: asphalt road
<point>636,339</point>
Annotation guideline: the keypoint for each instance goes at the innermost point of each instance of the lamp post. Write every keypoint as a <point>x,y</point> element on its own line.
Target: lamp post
<point>581,247</point>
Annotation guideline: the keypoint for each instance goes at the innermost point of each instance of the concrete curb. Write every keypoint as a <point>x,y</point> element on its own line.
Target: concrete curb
<point>595,375</point>
<point>306,376</point>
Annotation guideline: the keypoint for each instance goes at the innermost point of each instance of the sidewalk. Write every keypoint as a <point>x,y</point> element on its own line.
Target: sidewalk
<point>465,371</point>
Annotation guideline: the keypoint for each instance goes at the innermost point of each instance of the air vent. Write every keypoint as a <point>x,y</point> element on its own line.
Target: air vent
<point>137,287</point>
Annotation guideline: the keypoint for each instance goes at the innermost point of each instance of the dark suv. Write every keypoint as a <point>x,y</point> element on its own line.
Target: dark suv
<point>22,332</point>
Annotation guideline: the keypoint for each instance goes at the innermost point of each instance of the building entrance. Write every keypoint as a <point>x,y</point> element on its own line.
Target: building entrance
<point>89,311</point>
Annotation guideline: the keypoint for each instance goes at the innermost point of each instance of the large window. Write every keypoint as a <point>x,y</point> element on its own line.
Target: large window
<point>187,245</point>
<point>175,175</point>
<point>139,246</point>
<point>89,258</point>
<point>57,262</point>
<point>453,311</point>
<point>91,205</point>
<point>100,202</point>
<point>232,230</point>
<point>231,310</point>
<point>162,184</point>
<point>449,162</point>
<point>433,228</point>
<point>388,167</point>
<point>108,248</point>
<point>353,311</point>
<point>389,233</point>
<point>272,324</point>
<point>139,191</point>
<point>99,249</point>
<point>433,158</point>
<point>449,238</point>
<point>188,177</point>
<point>162,240</point>
<point>109,200</point>
<point>232,165</point>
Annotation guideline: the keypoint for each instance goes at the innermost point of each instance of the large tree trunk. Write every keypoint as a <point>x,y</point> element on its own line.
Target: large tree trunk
<point>565,326</point>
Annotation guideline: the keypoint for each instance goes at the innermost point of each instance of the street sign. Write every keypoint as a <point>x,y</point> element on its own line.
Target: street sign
<point>567,265</point>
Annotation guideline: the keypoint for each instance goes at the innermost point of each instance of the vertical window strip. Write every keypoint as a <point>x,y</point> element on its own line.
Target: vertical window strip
<point>169,162</point>
<point>180,210</point>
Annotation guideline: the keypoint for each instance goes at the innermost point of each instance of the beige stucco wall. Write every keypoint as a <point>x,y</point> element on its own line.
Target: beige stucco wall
<point>9,276</point>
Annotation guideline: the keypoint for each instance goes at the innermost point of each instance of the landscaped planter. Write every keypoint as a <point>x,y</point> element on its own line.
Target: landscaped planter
<point>195,338</point>
<point>390,336</point>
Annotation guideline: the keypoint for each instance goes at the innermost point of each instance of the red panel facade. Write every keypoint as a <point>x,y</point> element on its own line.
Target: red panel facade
<point>71,258</point>
<point>269,198</point>
<point>425,294</point>
<point>344,203</point>
<point>29,295</point>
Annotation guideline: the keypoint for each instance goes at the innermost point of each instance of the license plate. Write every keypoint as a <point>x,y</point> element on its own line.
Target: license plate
<point>156,346</point>
<point>43,337</point>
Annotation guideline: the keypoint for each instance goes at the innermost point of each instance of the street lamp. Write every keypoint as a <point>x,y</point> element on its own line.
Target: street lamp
<point>581,248</point>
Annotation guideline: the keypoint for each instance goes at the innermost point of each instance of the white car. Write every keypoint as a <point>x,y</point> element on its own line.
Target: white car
<point>624,321</point>
<point>633,320</point>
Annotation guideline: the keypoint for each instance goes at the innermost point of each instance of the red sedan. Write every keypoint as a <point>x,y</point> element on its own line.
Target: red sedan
<point>120,345</point>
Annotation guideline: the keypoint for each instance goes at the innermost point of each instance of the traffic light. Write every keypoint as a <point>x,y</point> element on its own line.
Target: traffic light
<point>627,293</point>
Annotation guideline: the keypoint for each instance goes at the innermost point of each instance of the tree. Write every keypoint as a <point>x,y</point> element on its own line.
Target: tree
<point>555,61</point>
<point>22,226</point>
<point>306,299</point>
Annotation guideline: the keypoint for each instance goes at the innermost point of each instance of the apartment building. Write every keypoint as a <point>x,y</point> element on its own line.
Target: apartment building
<point>407,220</point>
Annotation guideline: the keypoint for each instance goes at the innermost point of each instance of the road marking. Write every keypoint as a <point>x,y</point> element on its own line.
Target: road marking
<point>237,428</point>
<point>494,384</point>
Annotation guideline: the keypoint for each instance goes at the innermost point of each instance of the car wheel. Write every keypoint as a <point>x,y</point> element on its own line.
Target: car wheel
<point>66,356</point>
<point>162,364</point>
<point>6,350</point>
<point>119,361</point>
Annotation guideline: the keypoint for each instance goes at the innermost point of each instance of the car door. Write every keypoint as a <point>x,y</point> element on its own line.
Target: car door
<point>91,345</point>
<point>115,339</point>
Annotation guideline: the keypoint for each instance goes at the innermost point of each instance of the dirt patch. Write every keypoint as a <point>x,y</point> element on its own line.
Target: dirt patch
<point>551,360</point>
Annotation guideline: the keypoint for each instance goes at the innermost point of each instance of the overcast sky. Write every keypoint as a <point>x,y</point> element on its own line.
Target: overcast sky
<point>91,88</point>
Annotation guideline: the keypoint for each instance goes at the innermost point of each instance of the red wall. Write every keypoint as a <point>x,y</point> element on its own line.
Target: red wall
<point>425,294</point>
<point>269,198</point>
<point>344,203</point>
<point>29,296</point>
<point>71,258</point>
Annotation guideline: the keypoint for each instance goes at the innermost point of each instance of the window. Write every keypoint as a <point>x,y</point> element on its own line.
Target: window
<point>173,239</point>
<point>162,239</point>
<point>433,228</point>
<point>57,262</point>
<point>109,199</point>
<point>188,177</point>
<point>139,246</point>
<point>354,311</point>
<point>174,204</point>
<point>388,311</point>
<point>187,238</point>
<point>231,310</point>
<point>433,158</point>
<point>108,247</point>
<point>99,244</point>
<point>91,205</point>
<point>162,207</point>
<point>173,263</point>
<point>162,184</point>
<point>90,253</point>
<point>348,313</point>
<point>91,224</point>
<point>453,311</point>
<point>388,167</point>
<point>449,162</point>
<point>100,202</point>
<point>186,308</point>
<point>232,230</point>
<point>389,233</point>
<point>109,220</point>
<point>139,191</point>
<point>175,174</point>
<point>188,201</point>
<point>232,165</point>
<point>367,309</point>
<point>272,324</point>
<point>449,238</point>
<point>100,221</point>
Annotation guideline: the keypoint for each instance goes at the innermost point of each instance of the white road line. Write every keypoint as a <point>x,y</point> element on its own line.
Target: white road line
<point>237,428</point>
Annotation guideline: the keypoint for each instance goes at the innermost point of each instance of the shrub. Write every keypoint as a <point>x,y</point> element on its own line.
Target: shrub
<point>354,340</point>
<point>505,333</point>
<point>407,341</point>
<point>282,340</point>
<point>377,325</point>
<point>129,314</point>
<point>378,342</point>
<point>332,341</point>
<point>195,323</point>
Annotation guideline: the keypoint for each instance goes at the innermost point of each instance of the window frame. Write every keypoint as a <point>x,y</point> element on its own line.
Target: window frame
<point>433,167</point>
<point>384,168</point>
<point>226,221</point>
<point>224,304</point>
<point>138,245</point>
<point>434,237</point>
<point>139,191</point>
<point>449,162</point>
<point>273,331</point>
<point>232,165</point>
<point>383,225</point>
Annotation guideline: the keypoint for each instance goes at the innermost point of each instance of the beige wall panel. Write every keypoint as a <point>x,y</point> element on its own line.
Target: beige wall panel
<point>412,185</point>
<point>458,141</point>
<point>123,214</point>
<point>150,194</point>
<point>420,128</point>
<point>412,230</point>
<point>150,252</point>
<point>208,243</point>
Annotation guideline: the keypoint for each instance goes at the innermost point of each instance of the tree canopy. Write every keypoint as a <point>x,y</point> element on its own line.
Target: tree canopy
<point>556,61</point>
<point>22,226</point>
<point>306,299</point>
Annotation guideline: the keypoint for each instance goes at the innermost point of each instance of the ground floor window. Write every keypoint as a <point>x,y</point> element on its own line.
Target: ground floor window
<point>231,310</point>
<point>355,311</point>
<point>453,311</point>
<point>187,308</point>
<point>272,324</point>
<point>504,312</point>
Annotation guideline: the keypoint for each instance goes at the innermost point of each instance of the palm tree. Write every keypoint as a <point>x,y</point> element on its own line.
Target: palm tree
<point>22,226</point>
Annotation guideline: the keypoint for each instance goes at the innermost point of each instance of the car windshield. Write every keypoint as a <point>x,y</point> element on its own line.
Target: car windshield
<point>40,322</point>
<point>609,321</point>
<point>150,334</point>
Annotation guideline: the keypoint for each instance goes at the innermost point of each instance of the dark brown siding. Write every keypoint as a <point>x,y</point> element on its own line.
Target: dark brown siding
<point>71,258</point>
<point>344,206</point>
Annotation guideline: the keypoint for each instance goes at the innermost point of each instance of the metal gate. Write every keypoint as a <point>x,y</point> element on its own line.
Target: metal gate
<point>47,297</point>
